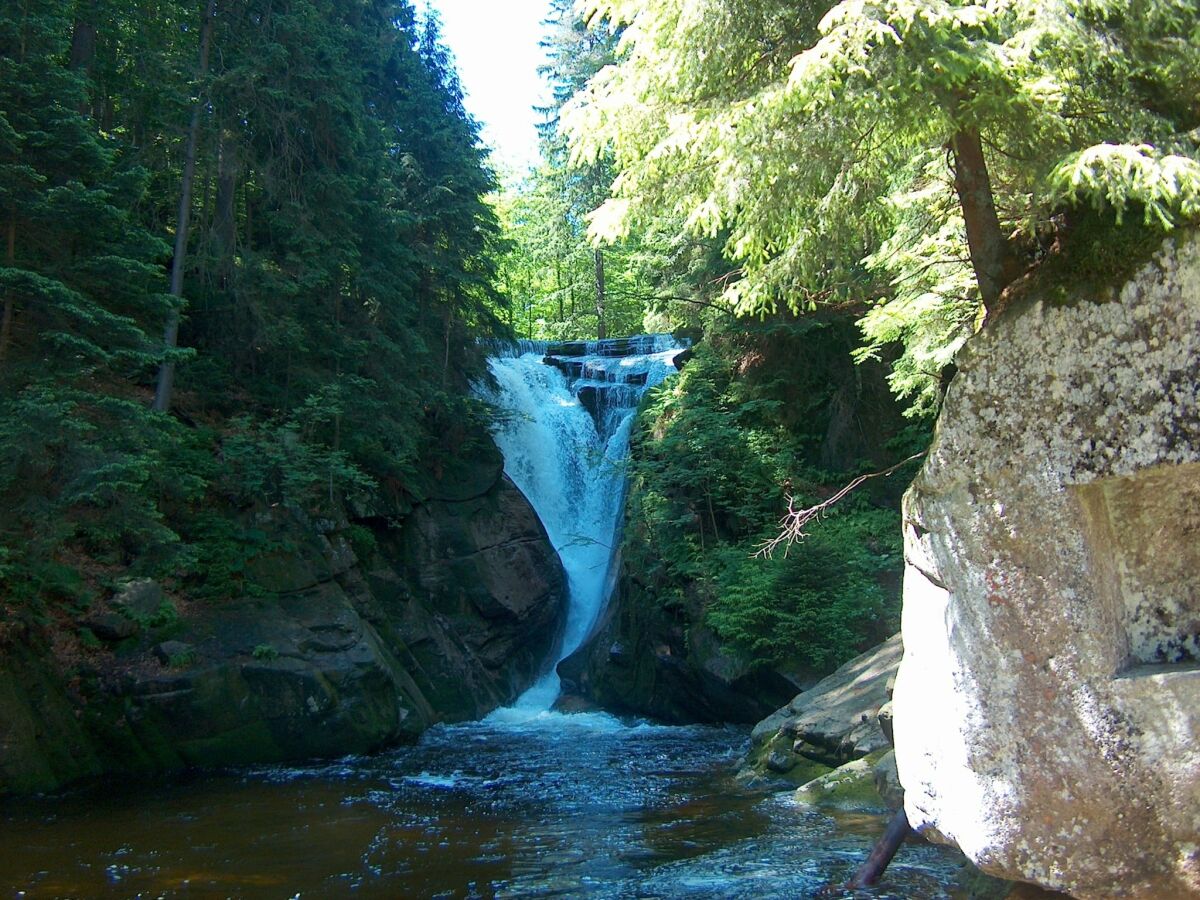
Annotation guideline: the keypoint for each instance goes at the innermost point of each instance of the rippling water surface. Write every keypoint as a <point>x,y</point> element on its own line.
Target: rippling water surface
<point>553,806</point>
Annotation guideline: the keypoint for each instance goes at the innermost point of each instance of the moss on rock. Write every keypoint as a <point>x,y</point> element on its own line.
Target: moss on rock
<point>851,786</point>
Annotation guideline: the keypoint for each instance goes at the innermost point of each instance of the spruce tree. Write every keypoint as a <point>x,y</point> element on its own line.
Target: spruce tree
<point>82,284</point>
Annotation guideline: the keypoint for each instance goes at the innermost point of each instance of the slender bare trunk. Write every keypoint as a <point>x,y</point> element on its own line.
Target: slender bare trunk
<point>995,267</point>
<point>166,372</point>
<point>601,331</point>
<point>10,232</point>
<point>558,287</point>
<point>10,258</point>
<point>512,301</point>
<point>225,217</point>
<point>893,837</point>
<point>446,355</point>
<point>248,229</point>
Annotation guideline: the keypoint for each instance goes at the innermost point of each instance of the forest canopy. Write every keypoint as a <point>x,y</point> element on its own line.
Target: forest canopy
<point>292,184</point>
<point>914,153</point>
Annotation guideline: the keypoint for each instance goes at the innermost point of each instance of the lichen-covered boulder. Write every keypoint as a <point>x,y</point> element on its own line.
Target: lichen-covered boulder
<point>1047,710</point>
<point>852,785</point>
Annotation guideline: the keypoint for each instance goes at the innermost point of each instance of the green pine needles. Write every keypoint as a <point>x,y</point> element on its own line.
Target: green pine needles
<point>337,273</point>
<point>750,412</point>
<point>917,153</point>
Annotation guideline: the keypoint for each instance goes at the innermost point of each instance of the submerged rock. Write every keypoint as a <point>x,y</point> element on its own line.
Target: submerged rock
<point>1047,711</point>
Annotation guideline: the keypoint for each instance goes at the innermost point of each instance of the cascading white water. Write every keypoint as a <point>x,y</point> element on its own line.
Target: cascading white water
<point>570,465</point>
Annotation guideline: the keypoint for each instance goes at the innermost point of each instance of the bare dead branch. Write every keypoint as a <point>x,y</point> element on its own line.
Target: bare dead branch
<point>794,521</point>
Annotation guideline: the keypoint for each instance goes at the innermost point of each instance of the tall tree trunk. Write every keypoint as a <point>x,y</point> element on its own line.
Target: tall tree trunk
<point>512,301</point>
<point>83,35</point>
<point>10,258</point>
<point>248,228</point>
<point>83,45</point>
<point>558,286</point>
<point>166,372</point>
<point>446,355</point>
<point>225,218</point>
<point>10,230</point>
<point>601,331</point>
<point>995,267</point>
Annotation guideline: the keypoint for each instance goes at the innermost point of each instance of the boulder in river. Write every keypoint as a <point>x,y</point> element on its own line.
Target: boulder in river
<point>140,600</point>
<point>834,723</point>
<point>1047,710</point>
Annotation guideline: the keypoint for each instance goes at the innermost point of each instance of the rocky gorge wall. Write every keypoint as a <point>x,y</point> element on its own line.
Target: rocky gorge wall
<point>339,645</point>
<point>1047,708</point>
<point>640,660</point>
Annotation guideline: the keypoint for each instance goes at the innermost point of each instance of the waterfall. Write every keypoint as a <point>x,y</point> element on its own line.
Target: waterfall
<point>567,412</point>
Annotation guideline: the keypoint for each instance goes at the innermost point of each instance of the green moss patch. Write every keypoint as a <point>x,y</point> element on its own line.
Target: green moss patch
<point>851,786</point>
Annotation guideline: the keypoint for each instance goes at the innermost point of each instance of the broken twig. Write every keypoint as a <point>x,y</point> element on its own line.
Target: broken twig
<point>792,525</point>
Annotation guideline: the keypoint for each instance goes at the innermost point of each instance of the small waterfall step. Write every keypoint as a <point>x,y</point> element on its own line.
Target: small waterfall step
<point>578,369</point>
<point>631,346</point>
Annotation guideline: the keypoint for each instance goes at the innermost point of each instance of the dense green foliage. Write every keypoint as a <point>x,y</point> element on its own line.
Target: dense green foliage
<point>750,414</point>
<point>905,159</point>
<point>652,279</point>
<point>336,276</point>
<point>917,152</point>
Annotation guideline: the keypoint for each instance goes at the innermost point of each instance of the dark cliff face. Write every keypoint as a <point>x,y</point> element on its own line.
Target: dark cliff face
<point>642,661</point>
<point>359,633</point>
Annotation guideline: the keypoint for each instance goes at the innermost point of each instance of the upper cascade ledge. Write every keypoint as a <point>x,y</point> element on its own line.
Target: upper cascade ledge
<point>636,345</point>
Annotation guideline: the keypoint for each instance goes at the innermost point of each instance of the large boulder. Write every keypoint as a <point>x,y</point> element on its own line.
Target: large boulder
<point>1047,710</point>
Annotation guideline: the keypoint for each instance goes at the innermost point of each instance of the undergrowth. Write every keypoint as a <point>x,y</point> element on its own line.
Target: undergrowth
<point>716,451</point>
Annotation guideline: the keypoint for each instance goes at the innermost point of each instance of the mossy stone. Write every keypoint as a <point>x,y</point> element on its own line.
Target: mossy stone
<point>251,743</point>
<point>851,786</point>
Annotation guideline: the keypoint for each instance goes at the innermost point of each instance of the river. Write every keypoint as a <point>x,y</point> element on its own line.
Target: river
<point>552,806</point>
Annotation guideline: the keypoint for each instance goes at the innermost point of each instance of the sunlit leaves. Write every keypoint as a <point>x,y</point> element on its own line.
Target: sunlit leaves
<point>805,132</point>
<point>1165,187</point>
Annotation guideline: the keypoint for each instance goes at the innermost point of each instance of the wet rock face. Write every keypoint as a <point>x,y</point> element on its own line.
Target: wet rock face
<point>1047,710</point>
<point>451,615</point>
<point>485,601</point>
